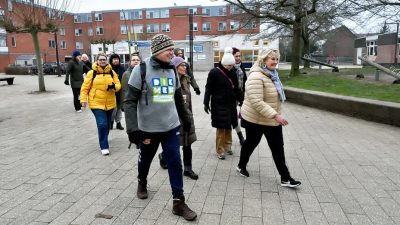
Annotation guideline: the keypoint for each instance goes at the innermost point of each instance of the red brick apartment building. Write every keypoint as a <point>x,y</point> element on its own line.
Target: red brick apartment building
<point>79,30</point>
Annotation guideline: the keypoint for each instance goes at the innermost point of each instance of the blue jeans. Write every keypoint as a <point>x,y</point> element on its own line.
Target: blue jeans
<point>103,119</point>
<point>171,154</point>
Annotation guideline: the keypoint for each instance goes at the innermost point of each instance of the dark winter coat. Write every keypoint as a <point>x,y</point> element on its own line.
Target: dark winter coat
<point>223,94</point>
<point>119,69</point>
<point>187,138</point>
<point>87,67</point>
<point>74,73</point>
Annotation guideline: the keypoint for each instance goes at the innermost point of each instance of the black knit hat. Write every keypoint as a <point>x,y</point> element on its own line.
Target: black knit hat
<point>160,43</point>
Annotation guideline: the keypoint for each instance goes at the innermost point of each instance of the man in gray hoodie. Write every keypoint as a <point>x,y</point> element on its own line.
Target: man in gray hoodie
<point>153,106</point>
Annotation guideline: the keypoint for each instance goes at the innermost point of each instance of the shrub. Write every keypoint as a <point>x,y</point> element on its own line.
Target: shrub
<point>18,70</point>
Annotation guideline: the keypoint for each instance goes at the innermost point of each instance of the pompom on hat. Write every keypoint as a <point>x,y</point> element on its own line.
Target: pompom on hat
<point>160,43</point>
<point>228,58</point>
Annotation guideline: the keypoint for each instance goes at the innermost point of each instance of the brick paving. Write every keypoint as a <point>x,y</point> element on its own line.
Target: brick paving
<point>52,172</point>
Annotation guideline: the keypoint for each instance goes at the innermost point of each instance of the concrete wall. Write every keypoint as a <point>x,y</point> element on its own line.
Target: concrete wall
<point>372,110</point>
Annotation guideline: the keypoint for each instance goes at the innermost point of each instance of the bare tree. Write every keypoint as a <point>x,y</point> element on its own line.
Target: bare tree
<point>34,17</point>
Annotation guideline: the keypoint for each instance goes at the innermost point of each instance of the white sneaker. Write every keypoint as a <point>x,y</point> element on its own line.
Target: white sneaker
<point>105,152</point>
<point>79,111</point>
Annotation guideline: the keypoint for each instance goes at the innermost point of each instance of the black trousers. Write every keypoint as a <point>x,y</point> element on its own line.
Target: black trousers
<point>76,92</point>
<point>274,137</point>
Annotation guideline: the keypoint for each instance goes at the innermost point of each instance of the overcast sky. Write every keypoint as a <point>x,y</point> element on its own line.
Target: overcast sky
<point>94,5</point>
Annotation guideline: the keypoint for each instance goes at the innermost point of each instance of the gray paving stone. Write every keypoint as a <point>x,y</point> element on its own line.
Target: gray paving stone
<point>273,216</point>
<point>128,216</point>
<point>231,214</point>
<point>333,213</point>
<point>213,204</point>
<point>87,216</point>
<point>309,202</point>
<point>53,213</point>
<point>358,219</point>
<point>315,218</point>
<point>292,212</point>
<point>377,215</point>
<point>206,219</point>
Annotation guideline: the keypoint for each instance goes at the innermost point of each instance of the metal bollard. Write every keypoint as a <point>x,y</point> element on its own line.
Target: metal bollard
<point>376,75</point>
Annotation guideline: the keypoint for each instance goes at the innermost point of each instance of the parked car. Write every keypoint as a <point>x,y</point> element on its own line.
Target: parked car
<point>49,68</point>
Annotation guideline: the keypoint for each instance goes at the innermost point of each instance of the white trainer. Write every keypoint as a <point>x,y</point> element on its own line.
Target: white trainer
<point>105,152</point>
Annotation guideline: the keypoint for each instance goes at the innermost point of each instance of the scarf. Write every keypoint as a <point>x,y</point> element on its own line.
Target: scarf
<point>277,82</point>
<point>240,75</point>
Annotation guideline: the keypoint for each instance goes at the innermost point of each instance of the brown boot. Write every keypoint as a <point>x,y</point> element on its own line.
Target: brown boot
<point>181,209</point>
<point>142,190</point>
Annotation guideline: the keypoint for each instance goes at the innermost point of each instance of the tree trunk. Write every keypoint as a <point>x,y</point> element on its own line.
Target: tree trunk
<point>306,43</point>
<point>39,61</point>
<point>295,69</point>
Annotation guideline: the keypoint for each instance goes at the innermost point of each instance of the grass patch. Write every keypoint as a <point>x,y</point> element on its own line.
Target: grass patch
<point>343,84</point>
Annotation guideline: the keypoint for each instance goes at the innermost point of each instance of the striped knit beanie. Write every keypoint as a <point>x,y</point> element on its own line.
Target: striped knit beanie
<point>160,43</point>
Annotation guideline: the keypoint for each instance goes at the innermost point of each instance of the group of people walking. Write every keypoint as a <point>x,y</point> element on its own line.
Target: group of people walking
<point>155,95</point>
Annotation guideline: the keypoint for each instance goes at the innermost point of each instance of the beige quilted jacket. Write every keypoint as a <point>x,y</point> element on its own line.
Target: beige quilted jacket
<point>261,102</point>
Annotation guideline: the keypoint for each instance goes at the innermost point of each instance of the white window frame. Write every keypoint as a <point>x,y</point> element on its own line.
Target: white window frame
<point>98,16</point>
<point>192,10</point>
<point>155,25</point>
<point>61,31</point>
<point>78,32</point>
<point>140,14</point>
<point>195,26</point>
<point>63,44</point>
<point>234,25</point>
<point>77,19</point>
<point>152,14</point>
<point>90,31</point>
<point>121,15</point>
<point>372,48</point>
<point>164,13</point>
<point>124,29</point>
<point>137,28</point>
<point>165,27</point>
<point>204,11</point>
<point>100,30</point>
<point>222,11</point>
<point>224,26</point>
<point>203,26</point>
<point>52,44</point>
<point>79,45</point>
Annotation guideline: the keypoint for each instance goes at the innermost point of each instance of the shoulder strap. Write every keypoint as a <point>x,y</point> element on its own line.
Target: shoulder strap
<point>229,79</point>
<point>143,87</point>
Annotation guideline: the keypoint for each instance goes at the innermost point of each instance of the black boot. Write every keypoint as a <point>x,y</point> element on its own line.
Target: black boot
<point>191,174</point>
<point>181,209</point>
<point>241,138</point>
<point>112,125</point>
<point>163,164</point>
<point>119,126</point>
<point>142,189</point>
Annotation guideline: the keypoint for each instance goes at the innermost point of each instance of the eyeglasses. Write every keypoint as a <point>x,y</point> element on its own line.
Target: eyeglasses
<point>102,59</point>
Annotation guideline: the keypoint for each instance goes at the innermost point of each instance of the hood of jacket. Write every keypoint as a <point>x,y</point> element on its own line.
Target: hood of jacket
<point>100,69</point>
<point>258,69</point>
<point>113,56</point>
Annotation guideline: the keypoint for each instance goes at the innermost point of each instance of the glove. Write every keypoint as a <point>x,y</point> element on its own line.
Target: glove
<point>134,137</point>
<point>111,86</point>
<point>207,109</point>
<point>197,90</point>
<point>66,82</point>
<point>186,127</point>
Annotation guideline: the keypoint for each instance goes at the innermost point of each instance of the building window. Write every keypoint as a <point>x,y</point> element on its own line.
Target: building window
<point>61,31</point>
<point>124,29</point>
<point>79,45</point>
<point>222,11</point>
<point>63,45</point>
<point>52,44</point>
<point>90,31</point>
<point>192,10</point>
<point>152,14</point>
<point>235,10</point>
<point>136,15</point>
<point>1,14</point>
<point>195,27</point>
<point>99,30</point>
<point>3,41</point>
<point>78,32</point>
<point>77,19</point>
<point>207,26</point>
<point>89,18</point>
<point>124,15</point>
<point>222,26</point>
<point>250,25</point>
<point>234,25</point>
<point>165,27</point>
<point>153,28</point>
<point>206,11</point>
<point>138,29</point>
<point>14,41</point>
<point>61,17</point>
<point>98,16</point>
<point>372,48</point>
<point>164,13</point>
<point>10,5</point>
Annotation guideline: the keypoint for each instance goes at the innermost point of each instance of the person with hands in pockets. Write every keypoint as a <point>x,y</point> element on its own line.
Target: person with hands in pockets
<point>262,114</point>
<point>98,91</point>
<point>153,106</point>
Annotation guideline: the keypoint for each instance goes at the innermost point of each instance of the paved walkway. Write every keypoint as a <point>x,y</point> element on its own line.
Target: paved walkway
<point>52,172</point>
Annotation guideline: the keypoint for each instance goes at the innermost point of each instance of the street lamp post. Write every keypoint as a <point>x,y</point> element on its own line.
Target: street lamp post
<point>57,58</point>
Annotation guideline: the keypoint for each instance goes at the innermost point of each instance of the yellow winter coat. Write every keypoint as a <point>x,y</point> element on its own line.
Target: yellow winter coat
<point>261,102</point>
<point>95,90</point>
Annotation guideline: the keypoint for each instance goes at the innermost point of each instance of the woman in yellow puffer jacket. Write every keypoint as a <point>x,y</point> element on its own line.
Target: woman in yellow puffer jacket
<point>99,91</point>
<point>261,114</point>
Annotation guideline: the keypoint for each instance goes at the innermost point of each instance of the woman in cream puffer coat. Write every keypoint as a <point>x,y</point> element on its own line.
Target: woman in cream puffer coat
<point>100,93</point>
<point>261,114</point>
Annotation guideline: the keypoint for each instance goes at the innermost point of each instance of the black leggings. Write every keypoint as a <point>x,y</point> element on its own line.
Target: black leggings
<point>76,92</point>
<point>274,137</point>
